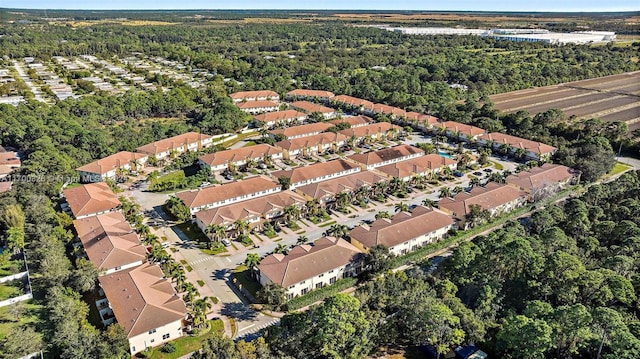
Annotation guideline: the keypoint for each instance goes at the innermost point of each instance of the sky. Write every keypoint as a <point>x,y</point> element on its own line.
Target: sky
<point>459,5</point>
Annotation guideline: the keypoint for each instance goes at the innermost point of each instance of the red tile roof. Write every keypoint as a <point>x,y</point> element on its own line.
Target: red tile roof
<point>209,195</point>
<point>491,196</point>
<point>91,198</point>
<point>241,154</point>
<point>112,162</point>
<point>254,94</point>
<point>299,174</point>
<point>464,129</point>
<point>310,107</point>
<point>517,142</point>
<point>418,165</point>
<point>370,130</point>
<point>109,241</point>
<point>538,177</point>
<point>305,262</point>
<point>256,104</point>
<point>311,141</point>
<point>142,299</point>
<point>353,101</point>
<point>422,118</point>
<point>385,154</point>
<point>302,130</point>
<point>401,228</point>
<point>334,186</point>
<point>311,93</point>
<point>277,116</point>
<point>258,207</point>
<point>172,143</point>
<point>388,110</point>
<point>353,121</point>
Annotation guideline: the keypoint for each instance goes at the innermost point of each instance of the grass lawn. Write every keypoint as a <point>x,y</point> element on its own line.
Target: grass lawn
<point>188,344</point>
<point>9,291</point>
<point>241,275</point>
<point>250,143</point>
<point>214,251</point>
<point>201,282</point>
<point>498,165</point>
<point>28,316</point>
<point>617,169</point>
<point>11,267</point>
<point>326,224</point>
<point>190,230</point>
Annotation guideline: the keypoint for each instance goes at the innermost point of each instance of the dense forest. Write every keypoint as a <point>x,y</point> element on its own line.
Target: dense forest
<point>469,298</point>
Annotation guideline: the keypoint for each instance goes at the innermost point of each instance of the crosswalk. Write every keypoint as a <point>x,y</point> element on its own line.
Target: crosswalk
<point>201,260</point>
<point>252,329</point>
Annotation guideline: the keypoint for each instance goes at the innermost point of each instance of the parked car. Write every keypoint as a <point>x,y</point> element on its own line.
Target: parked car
<point>458,173</point>
<point>205,184</point>
<point>488,170</point>
<point>226,242</point>
<point>477,173</point>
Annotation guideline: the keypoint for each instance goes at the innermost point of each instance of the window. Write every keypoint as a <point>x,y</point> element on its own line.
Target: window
<point>321,275</point>
<point>304,291</point>
<point>318,285</point>
<point>133,349</point>
<point>153,340</point>
<point>165,336</point>
<point>152,331</point>
<point>332,280</point>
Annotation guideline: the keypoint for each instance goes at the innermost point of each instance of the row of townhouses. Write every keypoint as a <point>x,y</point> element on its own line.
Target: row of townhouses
<point>133,292</point>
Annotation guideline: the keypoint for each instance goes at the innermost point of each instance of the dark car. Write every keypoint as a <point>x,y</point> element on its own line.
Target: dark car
<point>458,173</point>
<point>488,170</point>
<point>477,173</point>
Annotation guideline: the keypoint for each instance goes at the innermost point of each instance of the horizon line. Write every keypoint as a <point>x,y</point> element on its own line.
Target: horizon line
<point>353,9</point>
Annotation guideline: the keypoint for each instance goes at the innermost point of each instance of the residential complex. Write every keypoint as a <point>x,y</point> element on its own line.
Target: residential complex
<point>144,303</point>
<point>109,166</point>
<point>255,211</point>
<point>309,267</point>
<point>109,242</point>
<point>285,118</point>
<point>494,197</point>
<point>230,159</point>
<point>190,141</point>
<point>548,177</point>
<point>405,232</point>
<point>417,166</point>
<point>294,132</point>
<point>318,172</point>
<point>374,132</point>
<point>256,107</point>
<point>260,95</point>
<point>300,94</point>
<point>90,200</point>
<point>531,149</point>
<point>312,145</point>
<point>373,159</point>
<point>353,121</point>
<point>326,191</point>
<point>216,196</point>
<point>310,108</point>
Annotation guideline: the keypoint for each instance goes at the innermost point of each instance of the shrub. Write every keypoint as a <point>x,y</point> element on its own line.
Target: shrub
<point>168,348</point>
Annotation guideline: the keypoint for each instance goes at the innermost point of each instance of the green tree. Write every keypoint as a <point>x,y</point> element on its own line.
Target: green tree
<point>377,260</point>
<point>523,337</point>
<point>273,295</point>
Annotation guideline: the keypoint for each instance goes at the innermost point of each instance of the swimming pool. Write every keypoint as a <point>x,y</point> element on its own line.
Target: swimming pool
<point>445,155</point>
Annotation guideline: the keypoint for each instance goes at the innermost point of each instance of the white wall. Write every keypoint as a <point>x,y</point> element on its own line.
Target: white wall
<point>144,340</point>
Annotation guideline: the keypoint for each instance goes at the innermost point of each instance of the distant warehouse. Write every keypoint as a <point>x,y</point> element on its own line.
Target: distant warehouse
<point>518,35</point>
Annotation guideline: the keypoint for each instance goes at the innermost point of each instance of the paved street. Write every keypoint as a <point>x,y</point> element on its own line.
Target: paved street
<point>215,271</point>
<point>27,80</point>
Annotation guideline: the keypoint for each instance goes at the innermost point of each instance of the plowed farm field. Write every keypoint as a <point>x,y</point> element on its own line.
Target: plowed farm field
<point>611,98</point>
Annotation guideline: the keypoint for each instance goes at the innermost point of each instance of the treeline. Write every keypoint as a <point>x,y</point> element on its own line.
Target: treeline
<point>564,283</point>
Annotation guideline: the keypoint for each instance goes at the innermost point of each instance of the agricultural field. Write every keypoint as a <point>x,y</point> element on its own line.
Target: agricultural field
<point>610,98</point>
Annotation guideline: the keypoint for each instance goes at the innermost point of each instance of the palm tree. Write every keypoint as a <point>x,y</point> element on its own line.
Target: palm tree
<point>342,199</point>
<point>338,231</point>
<point>292,212</point>
<point>427,202</point>
<point>252,261</point>
<point>302,239</point>
<point>445,192</point>
<point>312,208</point>
<point>362,193</point>
<point>402,207</point>
<point>397,185</point>
<point>264,132</point>
<point>496,177</point>
<point>267,159</point>
<point>520,153</point>
<point>241,227</point>
<point>190,292</point>
<point>250,163</point>
<point>216,233</point>
<point>504,148</point>
<point>280,248</point>
<point>380,188</point>
<point>200,308</point>
<point>457,189</point>
<point>383,214</point>
<point>475,182</point>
